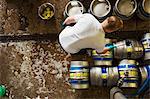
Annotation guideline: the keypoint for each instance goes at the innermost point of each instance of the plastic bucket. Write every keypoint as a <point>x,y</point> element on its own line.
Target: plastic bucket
<point>73,8</point>
<point>79,74</point>
<point>100,9</point>
<point>125,8</point>
<point>46,11</point>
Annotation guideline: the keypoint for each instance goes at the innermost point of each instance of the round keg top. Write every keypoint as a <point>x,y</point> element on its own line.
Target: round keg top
<point>43,8</point>
<point>126,7</point>
<point>83,63</point>
<point>73,8</point>
<point>147,35</point>
<point>100,8</point>
<point>146,6</point>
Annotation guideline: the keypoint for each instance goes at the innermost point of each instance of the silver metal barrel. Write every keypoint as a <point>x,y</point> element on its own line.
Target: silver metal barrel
<point>100,8</point>
<point>73,8</point>
<point>143,11</point>
<point>130,49</point>
<point>125,9</point>
<point>128,71</point>
<point>146,44</point>
<point>104,76</point>
<point>79,74</point>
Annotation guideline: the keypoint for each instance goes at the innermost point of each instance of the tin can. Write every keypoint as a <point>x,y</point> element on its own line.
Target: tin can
<point>129,72</point>
<point>73,8</point>
<point>125,9</point>
<point>104,76</point>
<point>146,44</point>
<point>79,74</point>
<point>128,49</point>
<point>100,9</point>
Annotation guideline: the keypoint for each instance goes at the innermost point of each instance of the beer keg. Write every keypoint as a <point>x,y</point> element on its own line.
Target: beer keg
<point>143,11</point>
<point>73,8</point>
<point>100,8</point>
<point>103,59</point>
<point>146,44</point>
<point>130,49</point>
<point>144,71</point>
<point>46,11</point>
<point>128,71</point>
<point>79,74</point>
<point>125,8</point>
<point>104,76</point>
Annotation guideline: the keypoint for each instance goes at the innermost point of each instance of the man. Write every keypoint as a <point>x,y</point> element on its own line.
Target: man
<point>87,32</point>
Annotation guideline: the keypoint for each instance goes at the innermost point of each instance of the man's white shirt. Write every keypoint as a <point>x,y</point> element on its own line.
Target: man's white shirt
<point>86,33</point>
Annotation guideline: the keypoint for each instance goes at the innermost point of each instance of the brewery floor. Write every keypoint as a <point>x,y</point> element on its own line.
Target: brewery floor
<point>39,69</point>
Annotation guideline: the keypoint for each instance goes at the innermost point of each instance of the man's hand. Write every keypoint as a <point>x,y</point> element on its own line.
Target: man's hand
<point>69,20</point>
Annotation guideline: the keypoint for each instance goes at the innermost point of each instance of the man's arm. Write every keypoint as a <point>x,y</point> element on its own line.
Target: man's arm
<point>73,19</point>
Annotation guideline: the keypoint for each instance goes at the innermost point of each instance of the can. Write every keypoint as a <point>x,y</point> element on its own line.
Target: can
<point>128,49</point>
<point>79,74</point>
<point>100,9</point>
<point>129,72</point>
<point>143,11</point>
<point>73,8</point>
<point>104,76</point>
<point>146,44</point>
<point>125,9</point>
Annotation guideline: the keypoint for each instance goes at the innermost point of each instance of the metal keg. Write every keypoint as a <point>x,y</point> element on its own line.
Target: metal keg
<point>79,74</point>
<point>125,8</point>
<point>104,76</point>
<point>100,8</point>
<point>144,71</point>
<point>103,59</point>
<point>73,8</point>
<point>130,49</point>
<point>128,73</point>
<point>143,11</point>
<point>46,11</point>
<point>146,44</point>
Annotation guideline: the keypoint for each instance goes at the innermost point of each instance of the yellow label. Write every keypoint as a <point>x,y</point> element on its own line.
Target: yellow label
<point>129,49</point>
<point>104,76</point>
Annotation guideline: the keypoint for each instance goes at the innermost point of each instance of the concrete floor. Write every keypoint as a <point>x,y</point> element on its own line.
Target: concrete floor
<point>32,69</point>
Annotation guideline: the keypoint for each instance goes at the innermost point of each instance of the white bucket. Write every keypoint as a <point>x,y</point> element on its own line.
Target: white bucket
<point>100,8</point>
<point>73,8</point>
<point>125,8</point>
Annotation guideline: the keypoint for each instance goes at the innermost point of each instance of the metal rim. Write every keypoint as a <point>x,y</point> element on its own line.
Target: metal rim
<point>82,63</point>
<point>91,5</point>
<point>66,7</point>
<point>143,6</point>
<point>45,6</point>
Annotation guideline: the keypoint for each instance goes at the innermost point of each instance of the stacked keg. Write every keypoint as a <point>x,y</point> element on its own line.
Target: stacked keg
<point>146,44</point>
<point>79,74</point>
<point>128,73</point>
<point>103,74</point>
